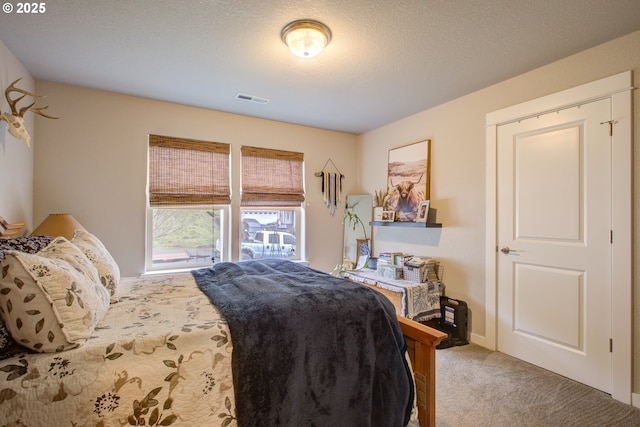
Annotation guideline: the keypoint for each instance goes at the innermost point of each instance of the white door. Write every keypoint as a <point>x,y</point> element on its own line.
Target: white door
<point>553,234</point>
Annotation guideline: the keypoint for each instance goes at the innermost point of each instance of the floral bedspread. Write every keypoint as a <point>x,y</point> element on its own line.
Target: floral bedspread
<point>161,356</point>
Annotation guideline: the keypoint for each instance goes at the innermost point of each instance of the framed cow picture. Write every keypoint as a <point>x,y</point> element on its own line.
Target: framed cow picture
<point>408,179</point>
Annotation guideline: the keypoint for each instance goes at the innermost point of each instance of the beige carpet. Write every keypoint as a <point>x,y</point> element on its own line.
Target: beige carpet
<point>480,388</point>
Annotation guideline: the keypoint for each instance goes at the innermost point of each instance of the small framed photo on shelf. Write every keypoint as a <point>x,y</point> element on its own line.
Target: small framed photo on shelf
<point>388,216</point>
<point>423,211</point>
<point>377,213</point>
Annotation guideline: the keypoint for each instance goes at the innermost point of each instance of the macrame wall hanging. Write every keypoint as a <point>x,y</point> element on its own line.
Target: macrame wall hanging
<point>331,186</point>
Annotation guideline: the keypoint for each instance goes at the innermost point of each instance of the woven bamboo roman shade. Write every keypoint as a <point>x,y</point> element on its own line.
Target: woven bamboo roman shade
<point>188,172</point>
<point>272,177</point>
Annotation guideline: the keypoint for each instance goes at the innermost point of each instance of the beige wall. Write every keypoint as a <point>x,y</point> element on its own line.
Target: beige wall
<point>458,169</point>
<point>92,163</point>
<point>16,159</point>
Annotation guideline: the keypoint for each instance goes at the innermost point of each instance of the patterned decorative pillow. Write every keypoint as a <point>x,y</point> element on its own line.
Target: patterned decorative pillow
<point>98,254</point>
<point>8,347</point>
<point>28,244</point>
<point>5,339</point>
<point>51,301</point>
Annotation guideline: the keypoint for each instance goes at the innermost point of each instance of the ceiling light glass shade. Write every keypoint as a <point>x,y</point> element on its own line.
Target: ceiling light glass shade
<point>306,38</point>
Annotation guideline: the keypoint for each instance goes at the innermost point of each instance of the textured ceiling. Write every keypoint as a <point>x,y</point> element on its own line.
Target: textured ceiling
<point>387,59</point>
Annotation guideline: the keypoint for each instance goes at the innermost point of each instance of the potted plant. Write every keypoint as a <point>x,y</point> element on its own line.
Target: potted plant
<point>380,204</point>
<point>354,219</point>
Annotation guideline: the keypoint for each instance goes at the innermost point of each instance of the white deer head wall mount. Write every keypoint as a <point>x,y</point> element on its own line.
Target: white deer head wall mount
<point>15,118</point>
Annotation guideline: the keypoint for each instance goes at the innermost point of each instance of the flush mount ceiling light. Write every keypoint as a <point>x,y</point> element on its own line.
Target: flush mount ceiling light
<point>306,38</point>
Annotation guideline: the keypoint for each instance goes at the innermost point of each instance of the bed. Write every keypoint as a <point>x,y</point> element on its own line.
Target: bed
<point>159,354</point>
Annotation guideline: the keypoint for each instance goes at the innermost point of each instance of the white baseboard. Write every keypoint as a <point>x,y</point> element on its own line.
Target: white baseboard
<point>635,400</point>
<point>478,339</point>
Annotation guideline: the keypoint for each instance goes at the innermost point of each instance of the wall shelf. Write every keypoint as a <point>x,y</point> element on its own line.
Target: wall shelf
<point>406,224</point>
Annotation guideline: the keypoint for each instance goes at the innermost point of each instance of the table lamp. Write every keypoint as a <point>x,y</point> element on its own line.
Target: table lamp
<point>55,225</point>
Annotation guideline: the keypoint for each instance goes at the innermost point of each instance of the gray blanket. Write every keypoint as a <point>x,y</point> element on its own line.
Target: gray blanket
<point>310,349</point>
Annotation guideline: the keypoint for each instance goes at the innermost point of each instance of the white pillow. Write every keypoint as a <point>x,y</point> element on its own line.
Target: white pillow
<point>98,254</point>
<point>51,301</point>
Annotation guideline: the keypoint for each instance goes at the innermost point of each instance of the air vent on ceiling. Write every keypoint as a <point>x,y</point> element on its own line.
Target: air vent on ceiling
<point>251,98</point>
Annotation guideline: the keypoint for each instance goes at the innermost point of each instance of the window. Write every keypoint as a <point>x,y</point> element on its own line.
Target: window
<point>271,205</point>
<point>269,233</point>
<point>186,237</point>
<point>189,195</point>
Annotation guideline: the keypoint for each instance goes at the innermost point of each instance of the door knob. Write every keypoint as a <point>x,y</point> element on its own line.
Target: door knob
<point>505,250</point>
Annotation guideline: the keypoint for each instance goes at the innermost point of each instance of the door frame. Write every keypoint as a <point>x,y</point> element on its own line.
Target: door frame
<point>619,89</point>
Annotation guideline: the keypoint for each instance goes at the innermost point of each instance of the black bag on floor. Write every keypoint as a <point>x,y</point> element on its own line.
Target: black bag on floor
<point>452,321</point>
